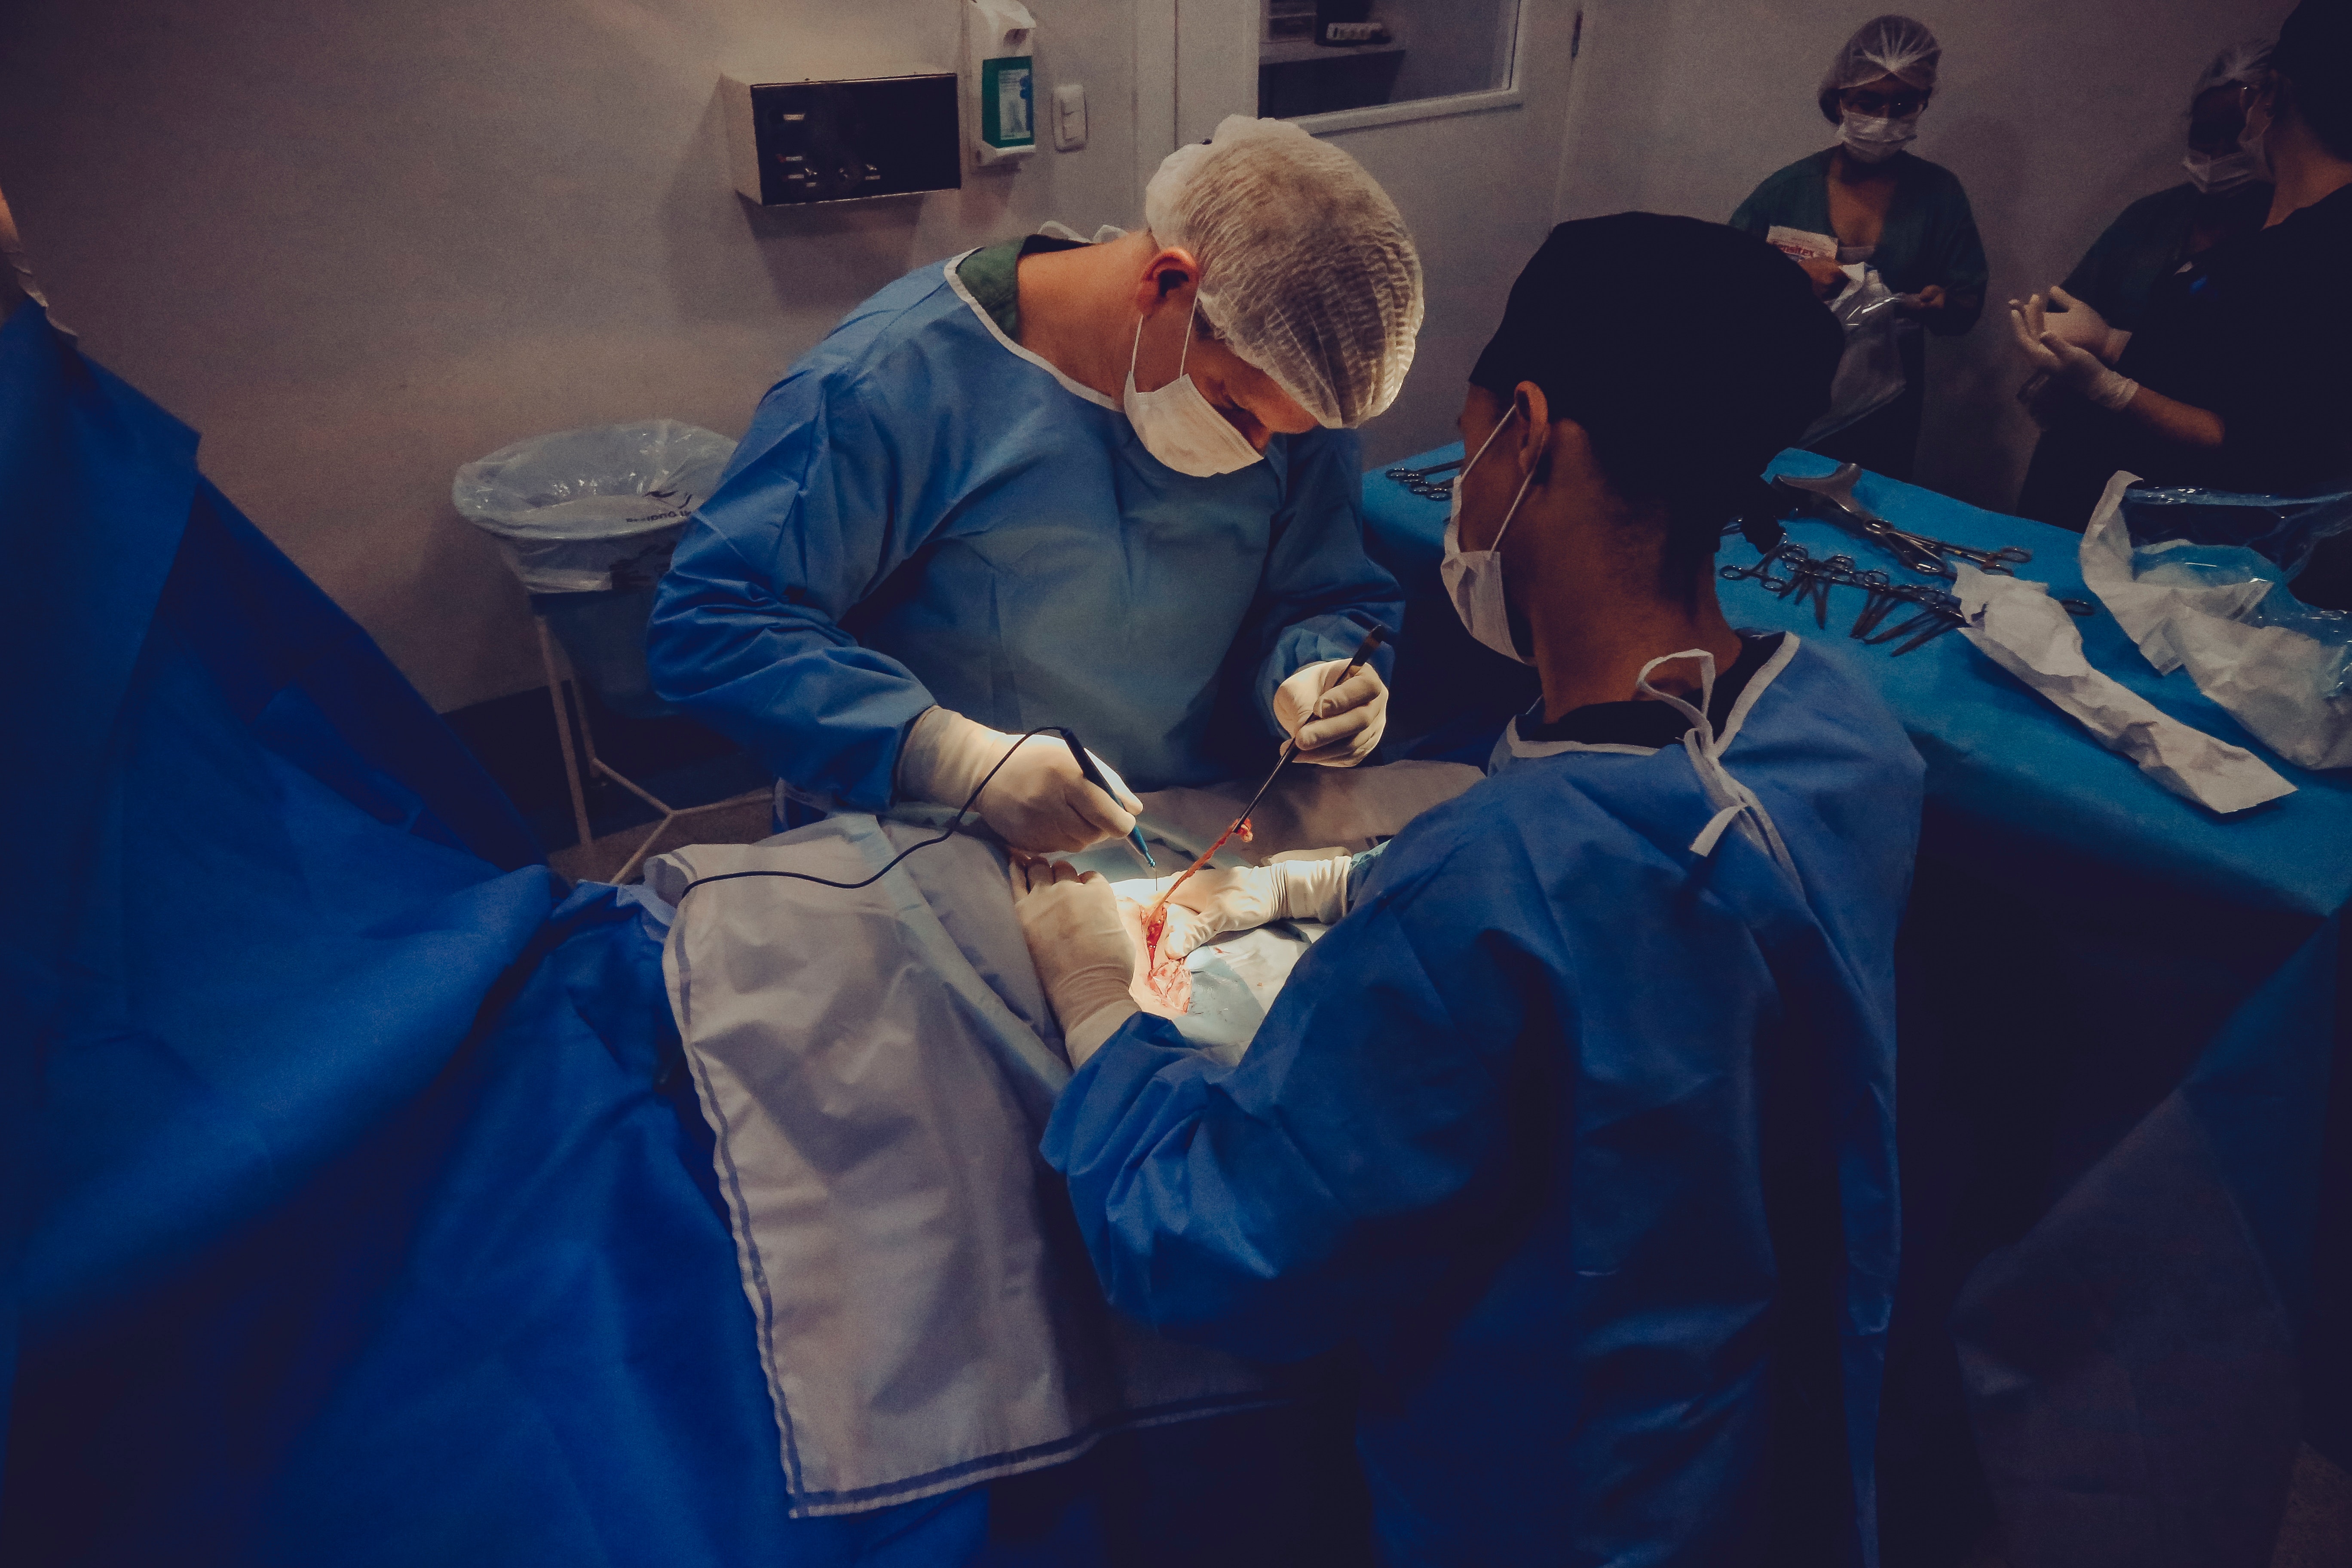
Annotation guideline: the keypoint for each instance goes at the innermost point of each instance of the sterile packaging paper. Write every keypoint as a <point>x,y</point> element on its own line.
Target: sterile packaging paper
<point>2267,677</point>
<point>2018,626</point>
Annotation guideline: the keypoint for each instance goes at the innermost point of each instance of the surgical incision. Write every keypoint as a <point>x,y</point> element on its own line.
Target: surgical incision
<point>1162,984</point>
<point>1155,919</point>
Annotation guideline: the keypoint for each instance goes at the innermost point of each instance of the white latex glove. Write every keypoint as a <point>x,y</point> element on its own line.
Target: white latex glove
<point>1078,941</point>
<point>1245,898</point>
<point>1038,801</point>
<point>1334,725</point>
<point>2071,320</point>
<point>2069,365</point>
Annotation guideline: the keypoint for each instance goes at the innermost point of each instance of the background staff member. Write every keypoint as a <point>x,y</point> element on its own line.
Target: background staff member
<point>1112,487</point>
<point>1578,1126</point>
<point>1908,217</point>
<point>2242,377</point>
<point>2227,195</point>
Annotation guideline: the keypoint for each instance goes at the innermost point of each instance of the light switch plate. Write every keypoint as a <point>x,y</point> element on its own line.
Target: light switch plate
<point>1069,118</point>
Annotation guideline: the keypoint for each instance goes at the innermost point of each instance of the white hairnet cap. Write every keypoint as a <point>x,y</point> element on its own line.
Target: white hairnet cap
<point>1883,45</point>
<point>2244,63</point>
<point>1306,269</point>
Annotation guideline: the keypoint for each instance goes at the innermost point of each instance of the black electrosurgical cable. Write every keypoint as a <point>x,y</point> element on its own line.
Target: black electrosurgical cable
<point>944,834</point>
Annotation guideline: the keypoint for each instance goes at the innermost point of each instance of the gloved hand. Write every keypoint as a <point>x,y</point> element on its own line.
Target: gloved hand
<point>1038,801</point>
<point>1078,941</point>
<point>1247,897</point>
<point>1334,726</point>
<point>2071,366</point>
<point>2071,320</point>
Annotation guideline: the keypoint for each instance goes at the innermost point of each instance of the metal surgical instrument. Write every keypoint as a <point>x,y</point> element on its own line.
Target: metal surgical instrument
<point>1831,496</point>
<point>1418,480</point>
<point>1807,580</point>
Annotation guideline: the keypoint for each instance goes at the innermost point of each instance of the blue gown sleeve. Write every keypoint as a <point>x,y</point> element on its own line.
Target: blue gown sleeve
<point>1321,593</point>
<point>1278,1207</point>
<point>747,632</point>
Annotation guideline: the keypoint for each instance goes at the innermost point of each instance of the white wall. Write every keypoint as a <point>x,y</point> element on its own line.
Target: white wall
<point>356,245</point>
<point>1476,191</point>
<point>2053,115</point>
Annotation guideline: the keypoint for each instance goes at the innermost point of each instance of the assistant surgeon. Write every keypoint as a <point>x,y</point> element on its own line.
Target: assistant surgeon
<point>1577,1128</point>
<point>1109,486</point>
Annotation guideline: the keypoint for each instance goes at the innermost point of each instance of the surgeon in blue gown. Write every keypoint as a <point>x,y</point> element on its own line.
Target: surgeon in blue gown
<point>1113,487</point>
<point>1576,1129</point>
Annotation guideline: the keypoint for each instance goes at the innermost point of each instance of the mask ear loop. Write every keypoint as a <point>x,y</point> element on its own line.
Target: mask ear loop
<point>1511,413</point>
<point>1184,354</point>
<point>1453,497</point>
<point>1530,478</point>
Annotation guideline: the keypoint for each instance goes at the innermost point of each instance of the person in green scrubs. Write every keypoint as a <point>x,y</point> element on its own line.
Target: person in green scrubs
<point>1879,204</point>
<point>2156,239</point>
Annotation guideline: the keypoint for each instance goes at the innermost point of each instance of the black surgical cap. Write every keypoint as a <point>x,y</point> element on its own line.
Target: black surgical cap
<point>1690,354</point>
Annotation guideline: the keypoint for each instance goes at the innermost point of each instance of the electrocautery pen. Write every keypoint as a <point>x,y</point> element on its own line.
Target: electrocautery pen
<point>1093,775</point>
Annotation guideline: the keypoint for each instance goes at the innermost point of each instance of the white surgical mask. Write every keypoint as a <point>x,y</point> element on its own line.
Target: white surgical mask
<point>1874,138</point>
<point>2213,174</point>
<point>1180,426</point>
<point>1474,578</point>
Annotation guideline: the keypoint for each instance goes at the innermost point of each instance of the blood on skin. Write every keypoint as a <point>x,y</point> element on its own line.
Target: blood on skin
<point>1155,919</point>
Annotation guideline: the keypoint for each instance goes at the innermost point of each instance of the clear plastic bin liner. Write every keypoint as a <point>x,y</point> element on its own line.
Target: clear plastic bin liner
<point>2281,529</point>
<point>604,635</point>
<point>1870,370</point>
<point>2255,544</point>
<point>2200,579</point>
<point>589,511</point>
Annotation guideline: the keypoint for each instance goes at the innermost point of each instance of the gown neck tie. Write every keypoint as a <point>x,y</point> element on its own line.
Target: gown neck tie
<point>1733,802</point>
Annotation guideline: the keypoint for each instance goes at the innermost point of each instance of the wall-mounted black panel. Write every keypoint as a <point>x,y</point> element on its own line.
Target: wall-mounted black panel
<point>791,142</point>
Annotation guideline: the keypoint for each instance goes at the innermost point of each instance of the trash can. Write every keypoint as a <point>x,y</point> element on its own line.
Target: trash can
<point>586,519</point>
<point>589,512</point>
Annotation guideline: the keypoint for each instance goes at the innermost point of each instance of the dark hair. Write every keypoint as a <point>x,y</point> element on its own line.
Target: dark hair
<point>2313,53</point>
<point>1690,353</point>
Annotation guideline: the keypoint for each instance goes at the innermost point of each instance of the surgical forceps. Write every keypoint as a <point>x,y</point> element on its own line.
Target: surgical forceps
<point>1417,481</point>
<point>1808,579</point>
<point>1831,496</point>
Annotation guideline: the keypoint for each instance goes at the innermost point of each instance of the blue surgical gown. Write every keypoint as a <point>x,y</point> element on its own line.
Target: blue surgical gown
<point>1580,1141</point>
<point>924,512</point>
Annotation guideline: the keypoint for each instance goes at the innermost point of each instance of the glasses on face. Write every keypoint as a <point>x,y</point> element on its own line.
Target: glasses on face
<point>1879,105</point>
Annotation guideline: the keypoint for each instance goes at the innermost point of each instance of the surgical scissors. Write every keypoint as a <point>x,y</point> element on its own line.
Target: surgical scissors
<point>1417,481</point>
<point>1761,573</point>
<point>1810,580</point>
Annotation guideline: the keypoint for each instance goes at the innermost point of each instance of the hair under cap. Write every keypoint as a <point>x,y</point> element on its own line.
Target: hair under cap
<point>1883,45</point>
<point>2242,64</point>
<point>1306,269</point>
